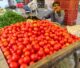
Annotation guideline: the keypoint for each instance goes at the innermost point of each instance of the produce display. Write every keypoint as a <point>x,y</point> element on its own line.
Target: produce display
<point>28,42</point>
<point>10,17</point>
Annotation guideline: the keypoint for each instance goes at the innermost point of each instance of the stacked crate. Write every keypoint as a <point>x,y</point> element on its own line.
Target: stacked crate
<point>71,9</point>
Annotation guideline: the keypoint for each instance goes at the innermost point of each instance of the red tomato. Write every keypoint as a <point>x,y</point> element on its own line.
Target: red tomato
<point>9,56</point>
<point>29,47</point>
<point>36,47</point>
<point>21,61</point>
<point>9,60</point>
<point>32,62</point>
<point>57,47</point>
<point>18,52</point>
<point>26,59</point>
<point>14,65</point>
<point>33,57</point>
<point>15,57</point>
<point>27,53</point>
<point>40,52</point>
<point>15,47</point>
<point>6,53</point>
<point>23,66</point>
<point>20,47</point>
<point>46,50</point>
<point>32,51</point>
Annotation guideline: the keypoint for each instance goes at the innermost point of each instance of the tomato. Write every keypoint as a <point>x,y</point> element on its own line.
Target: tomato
<point>14,65</point>
<point>26,59</point>
<point>15,57</point>
<point>27,53</point>
<point>57,47</point>
<point>12,41</point>
<point>20,39</point>
<point>20,47</point>
<point>32,51</point>
<point>15,47</point>
<point>40,52</point>
<point>9,57</point>
<point>28,47</point>
<point>6,53</point>
<point>18,52</point>
<point>21,61</point>
<point>23,66</point>
<point>4,49</point>
<point>46,50</point>
<point>36,47</point>
<point>9,60</point>
<point>33,57</point>
<point>41,43</point>
<point>32,62</point>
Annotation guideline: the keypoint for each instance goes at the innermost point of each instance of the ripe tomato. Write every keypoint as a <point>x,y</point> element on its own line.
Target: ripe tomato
<point>26,59</point>
<point>57,47</point>
<point>21,61</point>
<point>36,47</point>
<point>46,50</point>
<point>6,53</point>
<point>15,47</point>
<point>40,52</point>
<point>32,62</point>
<point>18,52</point>
<point>14,65</point>
<point>27,53</point>
<point>29,47</point>
<point>23,66</point>
<point>15,57</point>
<point>20,47</point>
<point>9,56</point>
<point>33,57</point>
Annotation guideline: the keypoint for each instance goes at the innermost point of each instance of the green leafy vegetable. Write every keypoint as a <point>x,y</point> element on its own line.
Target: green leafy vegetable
<point>10,17</point>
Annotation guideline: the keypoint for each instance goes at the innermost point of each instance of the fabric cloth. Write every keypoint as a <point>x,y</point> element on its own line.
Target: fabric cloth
<point>20,5</point>
<point>55,16</point>
<point>32,5</point>
<point>27,8</point>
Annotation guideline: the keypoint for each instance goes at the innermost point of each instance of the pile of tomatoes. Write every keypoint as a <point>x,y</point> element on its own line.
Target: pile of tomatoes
<point>26,43</point>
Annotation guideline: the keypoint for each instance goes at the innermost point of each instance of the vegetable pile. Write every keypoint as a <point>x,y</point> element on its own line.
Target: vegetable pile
<point>10,18</point>
<point>26,43</point>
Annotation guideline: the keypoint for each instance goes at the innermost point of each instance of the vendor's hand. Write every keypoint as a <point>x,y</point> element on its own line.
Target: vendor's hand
<point>58,9</point>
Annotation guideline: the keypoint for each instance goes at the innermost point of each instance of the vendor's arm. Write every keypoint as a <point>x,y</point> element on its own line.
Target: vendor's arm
<point>60,18</point>
<point>48,15</point>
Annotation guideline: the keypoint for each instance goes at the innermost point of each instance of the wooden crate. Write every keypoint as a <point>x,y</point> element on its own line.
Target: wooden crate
<point>52,59</point>
<point>49,60</point>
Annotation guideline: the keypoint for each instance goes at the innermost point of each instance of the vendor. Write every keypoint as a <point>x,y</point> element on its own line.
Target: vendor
<point>57,14</point>
<point>32,18</point>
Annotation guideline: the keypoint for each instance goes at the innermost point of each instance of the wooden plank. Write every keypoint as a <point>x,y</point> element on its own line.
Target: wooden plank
<point>44,63</point>
<point>3,63</point>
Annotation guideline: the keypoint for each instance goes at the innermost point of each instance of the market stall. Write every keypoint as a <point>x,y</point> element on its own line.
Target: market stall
<point>28,49</point>
<point>29,42</point>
